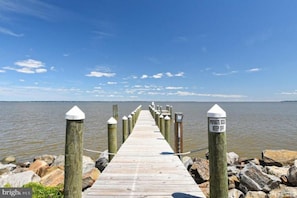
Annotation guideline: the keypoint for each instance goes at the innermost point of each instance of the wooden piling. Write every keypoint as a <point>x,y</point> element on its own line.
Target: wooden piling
<point>130,125</point>
<point>217,152</point>
<point>162,125</point>
<point>115,111</point>
<point>178,128</point>
<point>157,119</point>
<point>167,128</point>
<point>112,137</point>
<point>125,128</point>
<point>133,119</point>
<point>73,153</point>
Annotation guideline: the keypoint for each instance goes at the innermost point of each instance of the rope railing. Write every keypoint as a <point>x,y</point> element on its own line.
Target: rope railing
<point>167,153</point>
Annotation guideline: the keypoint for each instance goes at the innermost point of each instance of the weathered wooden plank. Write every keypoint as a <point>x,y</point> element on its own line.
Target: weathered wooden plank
<point>145,167</point>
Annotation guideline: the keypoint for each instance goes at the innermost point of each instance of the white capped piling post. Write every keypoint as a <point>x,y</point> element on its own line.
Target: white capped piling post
<point>217,152</point>
<point>178,128</point>
<point>167,128</point>
<point>157,119</point>
<point>73,153</point>
<point>125,128</point>
<point>162,124</point>
<point>130,124</point>
<point>133,119</point>
<point>112,137</point>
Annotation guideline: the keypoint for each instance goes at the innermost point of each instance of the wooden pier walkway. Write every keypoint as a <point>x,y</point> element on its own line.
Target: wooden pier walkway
<point>145,167</point>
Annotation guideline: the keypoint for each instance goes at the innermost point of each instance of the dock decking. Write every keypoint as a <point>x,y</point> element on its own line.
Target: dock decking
<point>145,167</point>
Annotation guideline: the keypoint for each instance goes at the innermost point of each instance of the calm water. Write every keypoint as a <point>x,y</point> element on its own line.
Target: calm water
<point>28,129</point>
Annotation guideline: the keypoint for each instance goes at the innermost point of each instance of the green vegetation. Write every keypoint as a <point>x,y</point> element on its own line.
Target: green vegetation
<point>40,191</point>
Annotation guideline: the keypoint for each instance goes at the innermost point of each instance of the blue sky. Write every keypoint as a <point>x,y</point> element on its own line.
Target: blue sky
<point>107,50</point>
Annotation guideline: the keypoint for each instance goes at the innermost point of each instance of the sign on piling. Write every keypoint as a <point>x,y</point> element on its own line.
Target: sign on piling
<point>73,153</point>
<point>217,152</point>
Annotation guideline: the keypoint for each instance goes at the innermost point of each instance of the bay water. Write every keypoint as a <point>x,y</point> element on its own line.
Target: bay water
<point>28,129</point>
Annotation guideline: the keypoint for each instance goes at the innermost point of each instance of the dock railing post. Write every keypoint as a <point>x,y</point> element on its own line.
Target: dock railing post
<point>133,119</point>
<point>162,125</point>
<point>217,152</point>
<point>73,153</point>
<point>157,119</point>
<point>112,137</point>
<point>130,125</point>
<point>115,111</point>
<point>167,128</point>
<point>125,128</point>
<point>178,128</point>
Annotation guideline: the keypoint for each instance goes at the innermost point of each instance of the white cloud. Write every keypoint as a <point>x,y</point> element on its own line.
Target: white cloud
<point>37,9</point>
<point>224,74</point>
<point>185,93</point>
<point>159,75</point>
<point>169,74</point>
<point>2,71</point>
<point>112,83</point>
<point>30,63</point>
<point>144,76</point>
<point>29,66</point>
<point>41,70</point>
<point>253,70</point>
<point>100,74</point>
<point>180,74</point>
<point>173,88</point>
<point>294,92</point>
<point>9,32</point>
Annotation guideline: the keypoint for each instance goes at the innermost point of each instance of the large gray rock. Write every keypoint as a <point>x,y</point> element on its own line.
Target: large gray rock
<point>6,168</point>
<point>255,194</point>
<point>187,161</point>
<point>19,179</point>
<point>292,175</point>
<point>9,159</point>
<point>200,170</point>
<point>283,192</point>
<point>253,179</point>
<point>59,161</point>
<point>49,159</point>
<point>234,193</point>
<point>276,171</point>
<point>232,158</point>
<point>88,163</point>
<point>279,157</point>
<point>102,162</point>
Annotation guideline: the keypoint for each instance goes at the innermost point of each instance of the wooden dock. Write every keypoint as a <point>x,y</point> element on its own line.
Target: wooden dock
<point>145,167</point>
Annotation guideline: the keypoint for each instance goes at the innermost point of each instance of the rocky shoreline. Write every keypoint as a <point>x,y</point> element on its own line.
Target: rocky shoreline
<point>272,176</point>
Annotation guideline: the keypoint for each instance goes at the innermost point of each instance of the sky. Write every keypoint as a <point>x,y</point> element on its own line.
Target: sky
<point>148,50</point>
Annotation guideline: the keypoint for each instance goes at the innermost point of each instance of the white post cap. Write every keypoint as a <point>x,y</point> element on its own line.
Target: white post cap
<point>167,118</point>
<point>216,112</point>
<point>75,114</point>
<point>112,120</point>
<point>124,118</point>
